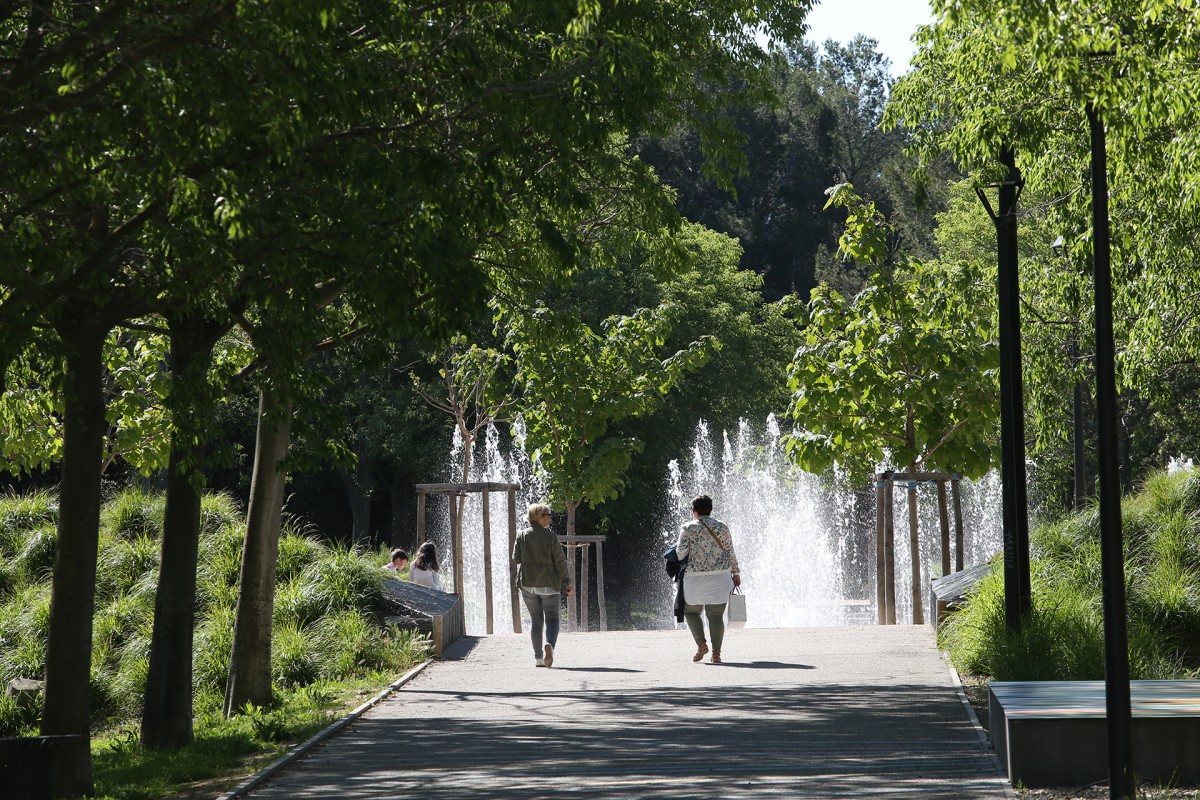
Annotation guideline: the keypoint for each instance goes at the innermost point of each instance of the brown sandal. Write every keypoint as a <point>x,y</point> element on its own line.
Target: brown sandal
<point>700,651</point>
<point>716,658</point>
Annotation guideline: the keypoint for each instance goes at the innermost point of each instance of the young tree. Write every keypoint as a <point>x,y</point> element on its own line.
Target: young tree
<point>576,384</point>
<point>904,374</point>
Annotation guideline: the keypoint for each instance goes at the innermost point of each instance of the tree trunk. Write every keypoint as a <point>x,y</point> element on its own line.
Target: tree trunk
<point>397,496</point>
<point>67,709</point>
<point>167,716</point>
<point>358,496</point>
<point>250,663</point>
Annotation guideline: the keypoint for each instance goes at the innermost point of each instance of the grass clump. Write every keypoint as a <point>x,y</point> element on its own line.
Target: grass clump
<point>1064,637</point>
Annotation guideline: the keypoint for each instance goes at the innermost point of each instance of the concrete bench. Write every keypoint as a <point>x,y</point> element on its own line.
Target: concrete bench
<point>1053,733</point>
<point>427,610</point>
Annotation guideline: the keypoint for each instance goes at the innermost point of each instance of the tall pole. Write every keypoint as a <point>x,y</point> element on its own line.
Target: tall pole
<point>1080,458</point>
<point>1119,715</point>
<point>1017,596</point>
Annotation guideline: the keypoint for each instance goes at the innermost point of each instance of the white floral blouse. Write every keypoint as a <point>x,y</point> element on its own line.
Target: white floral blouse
<point>701,549</point>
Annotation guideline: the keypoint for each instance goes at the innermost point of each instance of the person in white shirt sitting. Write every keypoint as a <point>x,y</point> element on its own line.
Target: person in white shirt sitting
<point>424,568</point>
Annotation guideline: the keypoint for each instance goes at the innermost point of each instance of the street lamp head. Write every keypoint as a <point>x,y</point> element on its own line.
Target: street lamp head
<point>1058,246</point>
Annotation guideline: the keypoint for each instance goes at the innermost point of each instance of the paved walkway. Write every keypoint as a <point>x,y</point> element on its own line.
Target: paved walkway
<point>799,713</point>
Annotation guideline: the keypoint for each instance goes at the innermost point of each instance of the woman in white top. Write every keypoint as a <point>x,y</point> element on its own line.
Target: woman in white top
<point>424,568</point>
<point>712,572</point>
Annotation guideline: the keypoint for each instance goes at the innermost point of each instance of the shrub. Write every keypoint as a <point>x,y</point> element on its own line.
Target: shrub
<point>17,719</point>
<point>34,561</point>
<point>220,562</point>
<point>121,562</point>
<point>1063,639</point>
<point>211,648</point>
<point>219,510</point>
<point>343,580</point>
<point>21,513</point>
<point>296,551</point>
<point>295,656</point>
<point>327,601</point>
<point>132,513</point>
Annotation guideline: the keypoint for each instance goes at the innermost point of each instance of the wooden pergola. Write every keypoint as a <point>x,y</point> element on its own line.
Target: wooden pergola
<point>885,550</point>
<point>577,606</point>
<point>457,494</point>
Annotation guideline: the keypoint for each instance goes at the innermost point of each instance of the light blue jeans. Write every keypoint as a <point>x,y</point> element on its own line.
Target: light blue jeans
<point>543,612</point>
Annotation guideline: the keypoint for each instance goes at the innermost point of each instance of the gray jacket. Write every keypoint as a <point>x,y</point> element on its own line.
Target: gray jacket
<point>541,559</point>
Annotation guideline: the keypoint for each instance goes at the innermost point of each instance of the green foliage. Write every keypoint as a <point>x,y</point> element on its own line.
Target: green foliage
<point>34,560</point>
<point>905,373</point>
<point>132,513</point>
<point>344,580</point>
<point>295,660</point>
<point>21,512</point>
<point>212,648</point>
<point>1064,638</point>
<point>24,625</point>
<point>1022,75</point>
<point>298,547</point>
<point>329,632</point>
<point>17,719</point>
<point>577,382</point>
<point>137,382</point>
<point>220,564</point>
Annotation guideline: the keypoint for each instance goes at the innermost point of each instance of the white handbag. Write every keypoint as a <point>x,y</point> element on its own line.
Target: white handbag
<point>736,608</point>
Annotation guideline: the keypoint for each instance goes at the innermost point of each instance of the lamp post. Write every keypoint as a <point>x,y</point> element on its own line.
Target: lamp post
<point>1018,600</point>
<point>1118,708</point>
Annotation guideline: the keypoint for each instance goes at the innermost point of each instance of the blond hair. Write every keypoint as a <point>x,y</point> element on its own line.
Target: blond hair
<point>536,511</point>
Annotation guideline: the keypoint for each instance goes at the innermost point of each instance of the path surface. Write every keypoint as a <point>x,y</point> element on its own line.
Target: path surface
<point>799,713</point>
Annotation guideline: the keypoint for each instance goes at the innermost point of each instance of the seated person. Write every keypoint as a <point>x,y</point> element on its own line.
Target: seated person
<point>424,569</point>
<point>399,560</point>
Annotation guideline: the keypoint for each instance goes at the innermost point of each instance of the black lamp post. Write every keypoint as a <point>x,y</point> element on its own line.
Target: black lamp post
<point>1018,600</point>
<point>1118,708</point>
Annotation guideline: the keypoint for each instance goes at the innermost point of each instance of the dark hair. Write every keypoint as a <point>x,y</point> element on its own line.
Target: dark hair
<point>426,557</point>
<point>399,552</point>
<point>702,505</point>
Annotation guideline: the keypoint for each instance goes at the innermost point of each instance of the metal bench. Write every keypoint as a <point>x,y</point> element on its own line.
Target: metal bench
<point>1053,733</point>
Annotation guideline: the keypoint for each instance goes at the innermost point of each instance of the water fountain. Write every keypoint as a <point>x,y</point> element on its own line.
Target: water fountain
<point>805,543</point>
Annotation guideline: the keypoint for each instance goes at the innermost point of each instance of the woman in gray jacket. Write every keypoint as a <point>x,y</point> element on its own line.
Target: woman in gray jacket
<point>541,571</point>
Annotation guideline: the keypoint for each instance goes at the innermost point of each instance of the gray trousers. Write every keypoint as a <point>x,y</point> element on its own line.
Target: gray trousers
<point>543,612</point>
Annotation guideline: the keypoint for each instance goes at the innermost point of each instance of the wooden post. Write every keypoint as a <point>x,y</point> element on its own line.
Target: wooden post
<point>420,519</point>
<point>584,597</point>
<point>570,545</point>
<point>880,572</point>
<point>958,528</point>
<point>487,559</point>
<point>914,546</point>
<point>571,600</point>
<point>512,565</point>
<point>600,585</point>
<point>944,519</point>
<point>456,535</point>
<point>889,549</point>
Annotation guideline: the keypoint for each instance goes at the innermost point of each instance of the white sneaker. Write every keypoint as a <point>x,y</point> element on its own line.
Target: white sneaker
<point>549,657</point>
<point>539,662</point>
